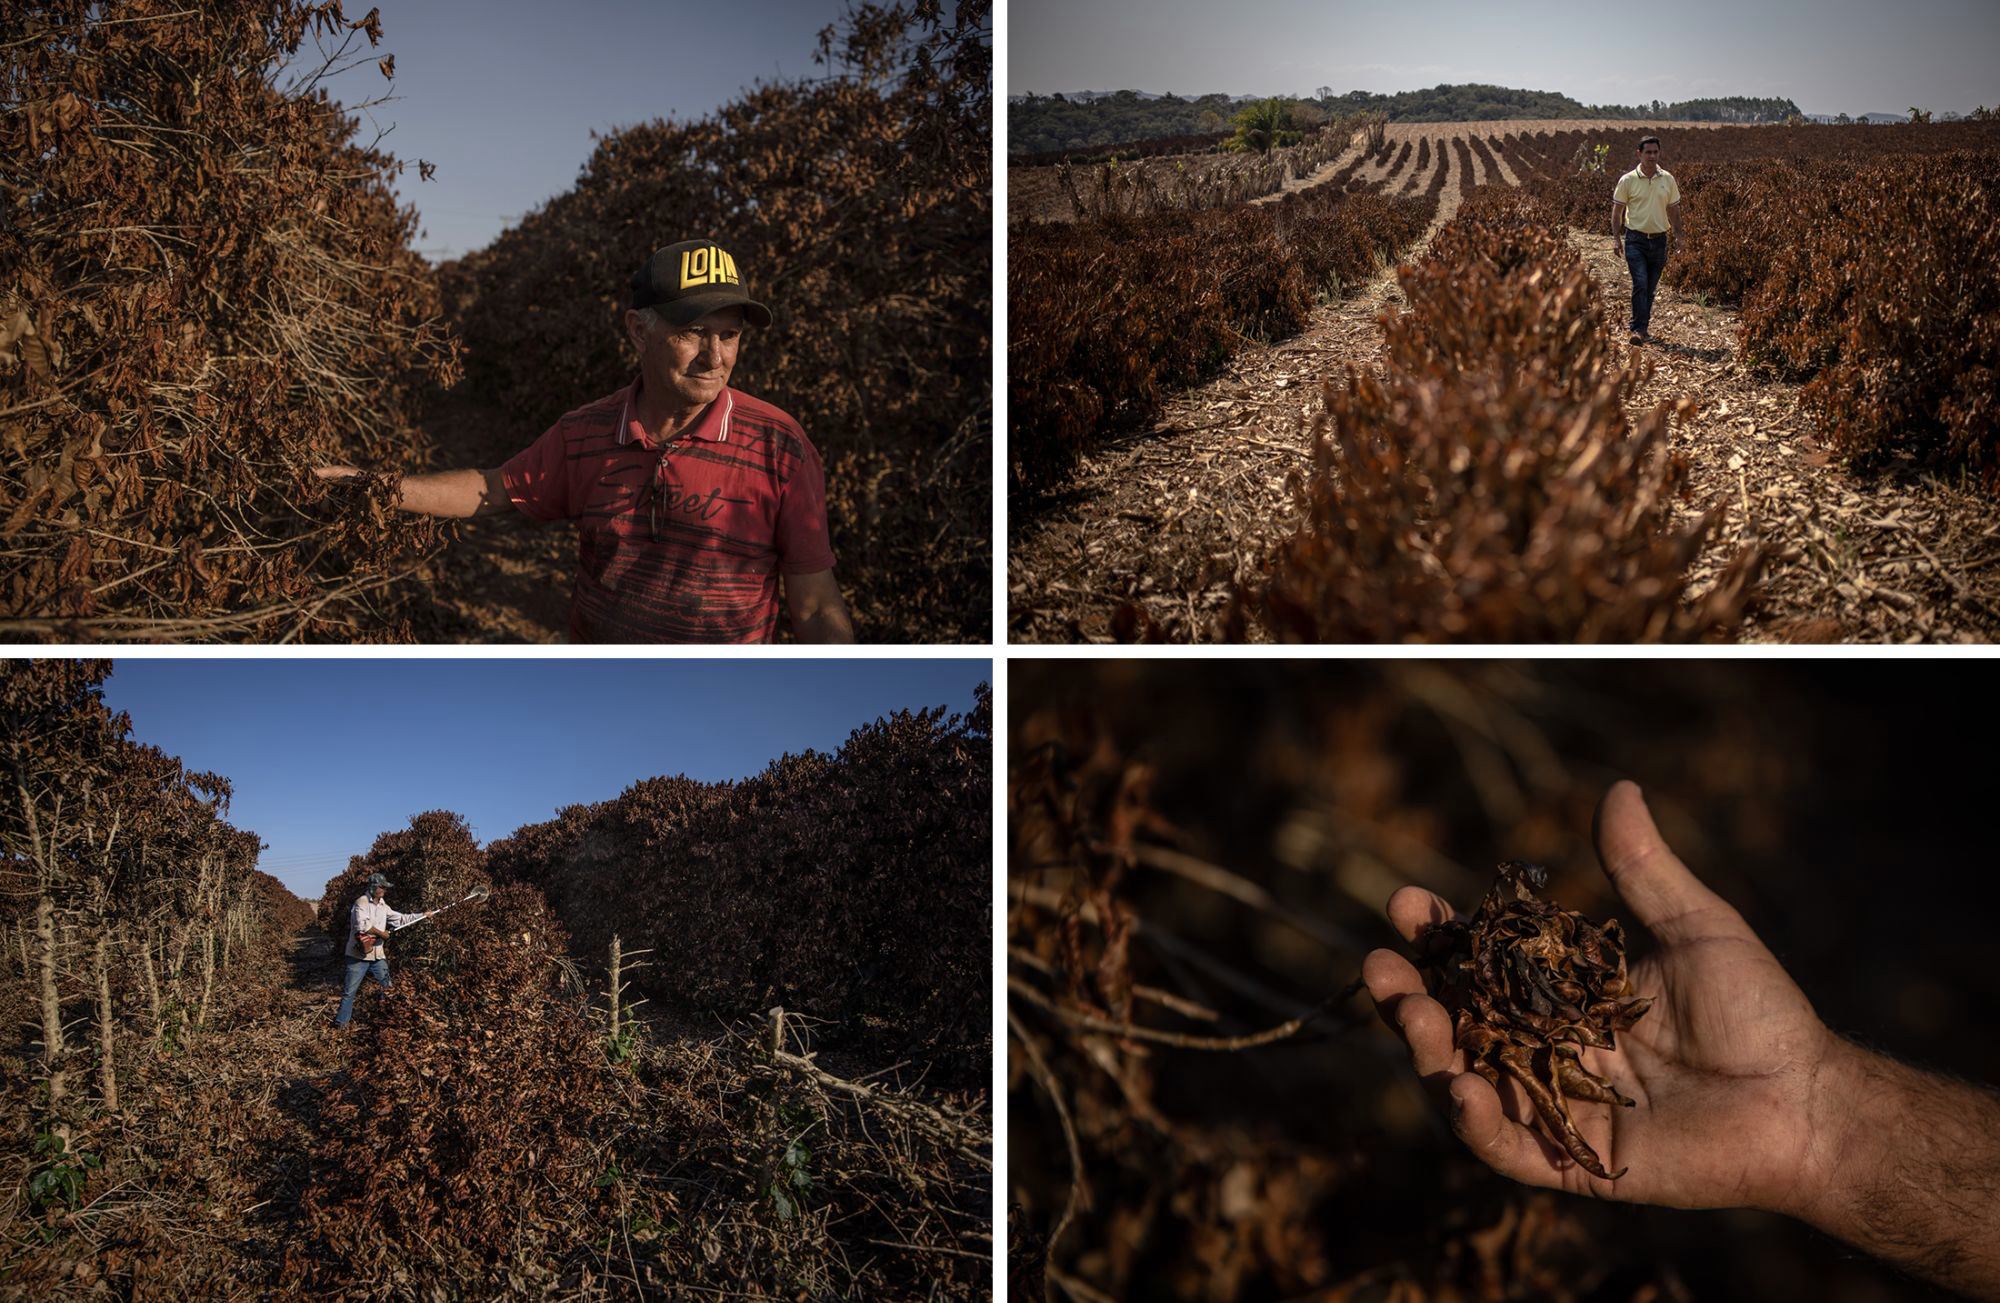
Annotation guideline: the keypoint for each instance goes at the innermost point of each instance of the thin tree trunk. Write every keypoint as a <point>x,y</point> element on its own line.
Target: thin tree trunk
<point>152,986</point>
<point>182,935</point>
<point>616,946</point>
<point>52,1035</point>
<point>207,975</point>
<point>107,1073</point>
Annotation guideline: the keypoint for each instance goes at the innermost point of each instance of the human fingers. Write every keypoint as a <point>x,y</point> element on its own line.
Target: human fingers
<point>1647,875</point>
<point>1412,910</point>
<point>335,472</point>
<point>1506,1146</point>
<point>1398,992</point>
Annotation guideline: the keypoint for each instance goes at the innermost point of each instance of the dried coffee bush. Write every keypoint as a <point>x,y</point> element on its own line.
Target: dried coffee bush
<point>1528,986</point>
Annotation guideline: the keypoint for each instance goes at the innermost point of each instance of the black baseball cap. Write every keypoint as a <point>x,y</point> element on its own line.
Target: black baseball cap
<point>685,282</point>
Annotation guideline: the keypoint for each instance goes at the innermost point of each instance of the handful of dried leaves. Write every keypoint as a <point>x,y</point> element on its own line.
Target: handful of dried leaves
<point>1528,985</point>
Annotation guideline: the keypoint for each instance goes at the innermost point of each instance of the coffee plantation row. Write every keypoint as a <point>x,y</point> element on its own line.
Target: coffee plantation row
<point>1488,486</point>
<point>1106,319</point>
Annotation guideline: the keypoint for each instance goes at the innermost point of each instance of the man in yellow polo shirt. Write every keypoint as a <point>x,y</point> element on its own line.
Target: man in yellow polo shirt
<point>1642,216</point>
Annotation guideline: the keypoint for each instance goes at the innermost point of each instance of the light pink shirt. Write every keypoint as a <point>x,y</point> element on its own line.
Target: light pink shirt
<point>371,915</point>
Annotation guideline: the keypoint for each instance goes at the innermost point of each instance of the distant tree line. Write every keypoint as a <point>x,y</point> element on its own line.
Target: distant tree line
<point>1046,123</point>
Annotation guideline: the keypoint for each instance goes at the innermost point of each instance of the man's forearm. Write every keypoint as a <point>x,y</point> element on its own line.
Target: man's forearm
<point>1908,1169</point>
<point>458,493</point>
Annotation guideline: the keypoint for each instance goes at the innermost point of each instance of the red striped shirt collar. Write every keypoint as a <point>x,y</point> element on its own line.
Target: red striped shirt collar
<point>712,425</point>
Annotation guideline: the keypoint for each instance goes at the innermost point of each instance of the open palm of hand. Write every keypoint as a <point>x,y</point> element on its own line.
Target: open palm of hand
<point>1721,1070</point>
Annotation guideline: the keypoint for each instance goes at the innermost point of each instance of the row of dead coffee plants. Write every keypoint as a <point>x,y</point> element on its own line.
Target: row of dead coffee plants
<point>1156,182</point>
<point>860,209</point>
<point>1105,319</point>
<point>130,910</point>
<point>1487,485</point>
<point>1881,295</point>
<point>209,291</point>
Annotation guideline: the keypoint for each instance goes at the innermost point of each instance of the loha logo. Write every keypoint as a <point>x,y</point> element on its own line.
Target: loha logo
<point>707,266</point>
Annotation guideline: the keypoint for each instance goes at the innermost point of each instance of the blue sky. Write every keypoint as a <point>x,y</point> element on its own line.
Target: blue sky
<point>327,754</point>
<point>502,95</point>
<point>1830,56</point>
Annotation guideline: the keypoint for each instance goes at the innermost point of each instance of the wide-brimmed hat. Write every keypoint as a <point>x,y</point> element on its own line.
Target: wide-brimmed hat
<point>377,880</point>
<point>685,282</point>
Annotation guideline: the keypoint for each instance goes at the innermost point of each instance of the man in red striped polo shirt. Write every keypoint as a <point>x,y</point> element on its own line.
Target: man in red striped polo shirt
<point>691,499</point>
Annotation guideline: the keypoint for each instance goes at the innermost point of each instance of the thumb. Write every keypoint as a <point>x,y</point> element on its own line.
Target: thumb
<point>1648,876</point>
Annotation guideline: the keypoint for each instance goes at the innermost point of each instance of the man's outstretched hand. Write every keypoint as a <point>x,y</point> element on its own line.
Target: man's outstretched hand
<point>1725,1070</point>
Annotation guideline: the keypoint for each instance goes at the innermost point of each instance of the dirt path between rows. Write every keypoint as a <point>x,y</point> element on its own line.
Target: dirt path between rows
<point>1171,517</point>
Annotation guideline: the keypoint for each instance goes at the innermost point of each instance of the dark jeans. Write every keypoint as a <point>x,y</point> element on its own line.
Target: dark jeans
<point>356,970</point>
<point>1646,255</point>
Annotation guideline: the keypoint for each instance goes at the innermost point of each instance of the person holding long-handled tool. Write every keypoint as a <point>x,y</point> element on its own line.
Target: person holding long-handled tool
<point>368,922</point>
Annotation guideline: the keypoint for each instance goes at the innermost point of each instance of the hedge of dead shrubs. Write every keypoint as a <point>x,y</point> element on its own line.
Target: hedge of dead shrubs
<point>1882,294</point>
<point>206,289</point>
<point>1884,298</point>
<point>508,1138</point>
<point>430,864</point>
<point>1489,487</point>
<point>459,1145</point>
<point>848,887</point>
<point>491,1138</point>
<point>859,208</point>
<point>1106,319</point>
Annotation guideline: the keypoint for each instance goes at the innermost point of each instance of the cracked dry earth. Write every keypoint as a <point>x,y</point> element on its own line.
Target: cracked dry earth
<point>1170,518</point>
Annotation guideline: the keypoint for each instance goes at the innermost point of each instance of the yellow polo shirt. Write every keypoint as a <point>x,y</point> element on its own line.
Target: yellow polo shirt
<point>1646,199</point>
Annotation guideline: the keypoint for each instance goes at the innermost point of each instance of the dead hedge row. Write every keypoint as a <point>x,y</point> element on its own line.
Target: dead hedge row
<point>434,861</point>
<point>477,1114</point>
<point>1882,294</point>
<point>859,208</point>
<point>1488,486</point>
<point>1884,298</point>
<point>127,900</point>
<point>1106,319</point>
<point>848,887</point>
<point>509,1139</point>
<point>207,291</point>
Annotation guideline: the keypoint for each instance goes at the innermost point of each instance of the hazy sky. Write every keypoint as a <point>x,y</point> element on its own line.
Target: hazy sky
<point>325,755</point>
<point>502,95</point>
<point>1829,56</point>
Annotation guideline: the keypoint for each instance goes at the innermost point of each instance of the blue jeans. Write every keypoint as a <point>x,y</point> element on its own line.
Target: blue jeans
<point>1646,255</point>
<point>356,970</point>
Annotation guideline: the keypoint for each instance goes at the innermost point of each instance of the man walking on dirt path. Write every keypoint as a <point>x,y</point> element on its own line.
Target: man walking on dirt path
<point>691,499</point>
<point>1642,216</point>
<point>368,922</point>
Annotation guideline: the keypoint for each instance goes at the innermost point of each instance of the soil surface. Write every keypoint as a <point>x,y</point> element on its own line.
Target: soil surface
<point>1172,517</point>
